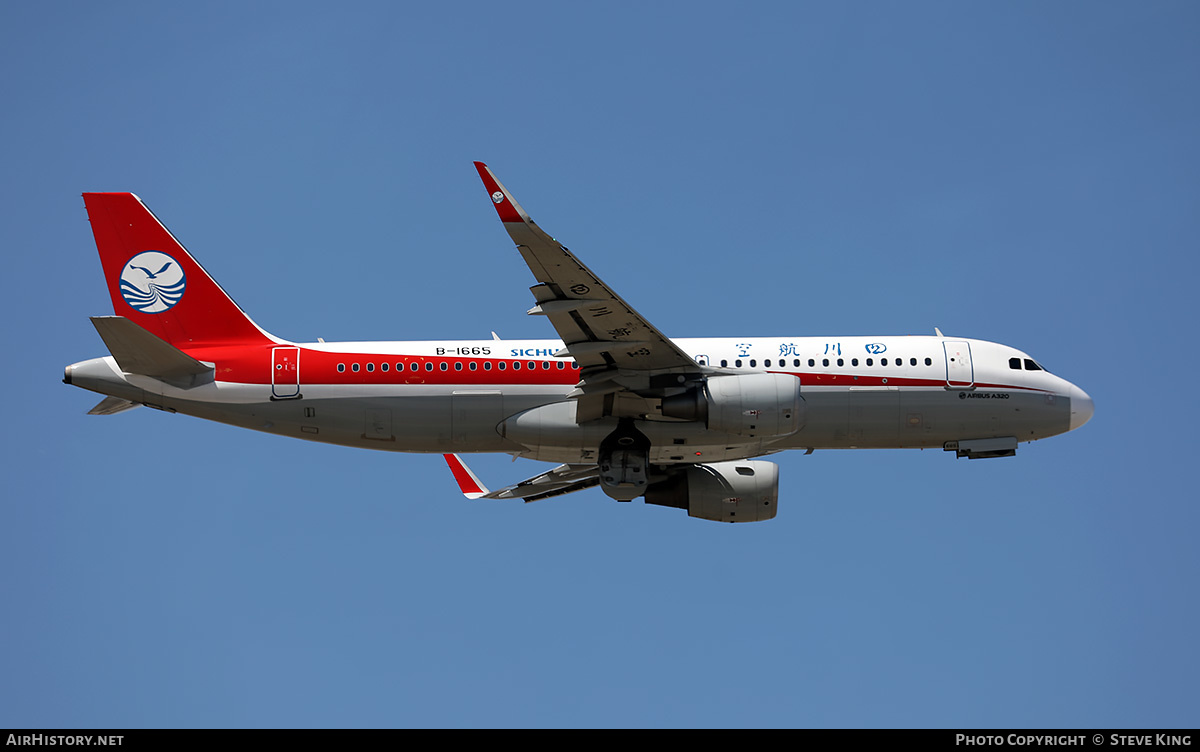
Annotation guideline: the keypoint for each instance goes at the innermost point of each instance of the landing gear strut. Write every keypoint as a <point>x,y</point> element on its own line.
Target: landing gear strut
<point>625,462</point>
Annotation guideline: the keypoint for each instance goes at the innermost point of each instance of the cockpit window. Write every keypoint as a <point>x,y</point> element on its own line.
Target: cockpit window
<point>1014,363</point>
<point>1031,366</point>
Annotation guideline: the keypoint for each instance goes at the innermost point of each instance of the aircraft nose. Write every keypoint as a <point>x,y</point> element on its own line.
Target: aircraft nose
<point>1081,407</point>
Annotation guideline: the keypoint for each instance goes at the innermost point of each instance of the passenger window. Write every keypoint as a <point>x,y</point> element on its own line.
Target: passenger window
<point>753,363</point>
<point>531,365</point>
<point>912,361</point>
<point>474,365</point>
<point>545,365</point>
<point>354,367</point>
<point>458,366</point>
<point>516,365</point>
<point>370,368</point>
<point>883,361</point>
<point>738,362</point>
<point>854,362</point>
<point>487,365</point>
<point>560,365</point>
<point>811,362</point>
<point>443,365</point>
<point>1014,363</point>
<point>341,367</point>
<point>767,363</point>
<point>428,366</point>
<point>928,361</point>
<point>724,363</point>
<point>841,362</point>
<point>870,361</point>
<point>796,363</point>
<point>502,365</point>
<point>825,362</point>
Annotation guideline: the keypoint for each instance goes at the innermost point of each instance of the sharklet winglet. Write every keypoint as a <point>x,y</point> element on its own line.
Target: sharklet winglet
<point>468,482</point>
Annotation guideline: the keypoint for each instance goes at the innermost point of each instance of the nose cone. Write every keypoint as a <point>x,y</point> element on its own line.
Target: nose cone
<point>1081,407</point>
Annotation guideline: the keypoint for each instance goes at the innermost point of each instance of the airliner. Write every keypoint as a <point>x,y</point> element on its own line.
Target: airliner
<point>612,401</point>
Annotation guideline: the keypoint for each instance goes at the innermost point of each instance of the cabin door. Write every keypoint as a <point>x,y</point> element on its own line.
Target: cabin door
<point>285,372</point>
<point>960,372</point>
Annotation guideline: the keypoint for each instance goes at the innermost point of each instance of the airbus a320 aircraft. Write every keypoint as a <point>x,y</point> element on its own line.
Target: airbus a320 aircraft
<point>614,401</point>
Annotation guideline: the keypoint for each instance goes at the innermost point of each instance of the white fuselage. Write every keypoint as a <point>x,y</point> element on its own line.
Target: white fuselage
<point>512,396</point>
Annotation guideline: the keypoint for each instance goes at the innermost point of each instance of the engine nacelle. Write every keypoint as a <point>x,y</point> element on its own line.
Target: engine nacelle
<point>737,491</point>
<point>753,405</point>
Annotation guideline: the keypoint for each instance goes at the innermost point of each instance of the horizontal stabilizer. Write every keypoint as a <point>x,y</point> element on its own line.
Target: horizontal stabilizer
<point>112,406</point>
<point>138,351</point>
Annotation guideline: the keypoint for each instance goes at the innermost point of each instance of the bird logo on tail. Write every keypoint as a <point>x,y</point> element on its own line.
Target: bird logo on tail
<point>152,291</point>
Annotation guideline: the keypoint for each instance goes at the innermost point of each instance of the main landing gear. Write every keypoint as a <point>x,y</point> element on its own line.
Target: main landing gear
<point>625,462</point>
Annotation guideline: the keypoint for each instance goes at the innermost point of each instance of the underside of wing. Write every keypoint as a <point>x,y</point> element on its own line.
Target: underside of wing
<point>563,479</point>
<point>739,491</point>
<point>600,330</point>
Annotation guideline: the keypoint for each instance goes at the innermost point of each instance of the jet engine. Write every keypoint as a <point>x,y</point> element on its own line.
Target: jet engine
<point>737,491</point>
<point>754,405</point>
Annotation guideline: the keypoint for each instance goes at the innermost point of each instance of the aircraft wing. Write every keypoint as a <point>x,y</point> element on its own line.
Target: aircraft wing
<point>599,329</point>
<point>563,479</point>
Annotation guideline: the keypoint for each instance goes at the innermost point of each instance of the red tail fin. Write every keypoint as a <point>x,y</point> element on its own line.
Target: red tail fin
<point>156,283</point>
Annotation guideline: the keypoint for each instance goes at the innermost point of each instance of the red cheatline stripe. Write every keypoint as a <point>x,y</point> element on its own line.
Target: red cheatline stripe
<point>251,365</point>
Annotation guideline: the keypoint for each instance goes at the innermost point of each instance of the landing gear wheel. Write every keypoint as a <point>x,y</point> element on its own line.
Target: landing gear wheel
<point>625,462</point>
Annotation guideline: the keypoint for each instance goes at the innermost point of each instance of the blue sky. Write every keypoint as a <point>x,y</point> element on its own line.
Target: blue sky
<point>1019,172</point>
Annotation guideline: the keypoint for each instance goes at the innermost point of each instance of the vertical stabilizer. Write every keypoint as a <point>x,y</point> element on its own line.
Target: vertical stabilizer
<point>155,283</point>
